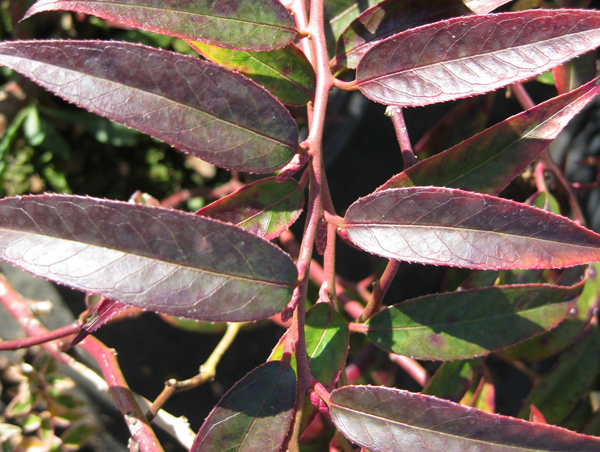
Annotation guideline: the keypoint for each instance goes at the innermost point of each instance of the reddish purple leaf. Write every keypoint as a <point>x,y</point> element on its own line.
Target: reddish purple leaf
<point>158,259</point>
<point>489,161</point>
<point>383,419</point>
<point>472,55</point>
<point>196,106</point>
<point>264,208</point>
<point>254,415</point>
<point>444,226</point>
<point>388,18</point>
<point>258,25</point>
<point>105,310</point>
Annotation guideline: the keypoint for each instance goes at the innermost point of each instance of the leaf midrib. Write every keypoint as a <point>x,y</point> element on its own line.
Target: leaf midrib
<point>175,264</point>
<point>424,429</point>
<point>395,73</point>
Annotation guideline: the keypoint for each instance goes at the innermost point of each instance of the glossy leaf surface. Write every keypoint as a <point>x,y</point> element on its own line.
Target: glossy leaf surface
<point>453,378</point>
<point>249,25</point>
<point>444,226</point>
<point>158,259</point>
<point>196,106</point>
<point>548,344</point>
<point>286,73</point>
<point>558,392</point>
<point>254,415</point>
<point>264,208</point>
<point>384,419</point>
<point>489,161</point>
<point>466,119</point>
<point>472,55</point>
<point>327,336</point>
<point>388,18</point>
<point>459,325</point>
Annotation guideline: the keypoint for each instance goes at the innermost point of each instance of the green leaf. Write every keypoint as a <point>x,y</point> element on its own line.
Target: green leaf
<point>286,73</point>
<point>194,105</point>
<point>264,208</point>
<point>548,344</point>
<point>249,25</point>
<point>444,226</point>
<point>339,14</point>
<point>384,419</point>
<point>489,161</point>
<point>326,336</point>
<point>254,415</point>
<point>158,259</point>
<point>470,323</point>
<point>566,384</point>
<point>453,378</point>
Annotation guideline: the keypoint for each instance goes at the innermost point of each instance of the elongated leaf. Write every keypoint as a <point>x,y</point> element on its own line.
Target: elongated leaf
<point>384,419</point>
<point>468,118</point>
<point>575,73</point>
<point>472,55</point>
<point>158,259</point>
<point>256,25</point>
<point>388,18</point>
<point>490,160</point>
<point>194,105</point>
<point>453,378</point>
<point>286,73</point>
<point>254,415</point>
<point>566,384</point>
<point>264,208</point>
<point>559,338</point>
<point>459,325</point>
<point>444,226</point>
<point>326,336</point>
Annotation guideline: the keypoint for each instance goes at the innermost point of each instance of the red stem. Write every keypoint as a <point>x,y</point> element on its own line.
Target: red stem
<point>134,417</point>
<point>41,338</point>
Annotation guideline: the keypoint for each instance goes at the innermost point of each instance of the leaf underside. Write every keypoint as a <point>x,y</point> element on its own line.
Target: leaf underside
<point>470,323</point>
<point>158,259</point>
<point>258,25</point>
<point>384,419</point>
<point>194,105</point>
<point>472,55</point>
<point>443,226</point>
<point>254,415</point>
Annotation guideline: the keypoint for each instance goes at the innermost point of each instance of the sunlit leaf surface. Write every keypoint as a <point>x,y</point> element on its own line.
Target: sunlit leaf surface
<point>465,324</point>
<point>196,106</point>
<point>384,419</point>
<point>472,55</point>
<point>264,208</point>
<point>286,73</point>
<point>158,259</point>
<point>241,24</point>
<point>444,226</point>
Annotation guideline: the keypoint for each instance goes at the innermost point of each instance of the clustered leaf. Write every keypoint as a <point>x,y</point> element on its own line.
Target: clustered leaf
<point>217,265</point>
